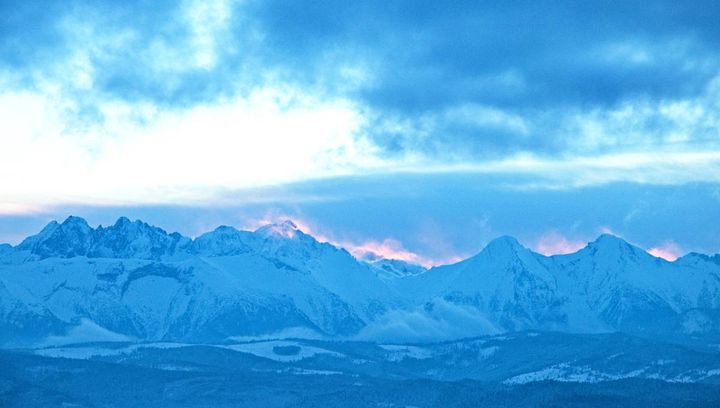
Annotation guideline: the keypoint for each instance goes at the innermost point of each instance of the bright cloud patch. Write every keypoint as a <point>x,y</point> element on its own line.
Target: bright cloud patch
<point>668,250</point>
<point>388,249</point>
<point>139,153</point>
<point>372,249</point>
<point>553,243</point>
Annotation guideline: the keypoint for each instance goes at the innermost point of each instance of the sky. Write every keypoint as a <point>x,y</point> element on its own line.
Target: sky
<point>411,129</point>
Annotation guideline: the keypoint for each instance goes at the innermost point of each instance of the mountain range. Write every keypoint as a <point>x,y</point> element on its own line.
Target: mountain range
<point>135,282</point>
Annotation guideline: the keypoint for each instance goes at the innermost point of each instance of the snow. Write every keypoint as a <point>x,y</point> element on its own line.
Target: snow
<point>568,372</point>
<point>288,333</point>
<point>389,269</point>
<point>565,372</point>
<point>305,371</point>
<point>86,332</point>
<point>137,281</point>
<point>268,349</point>
<point>86,352</point>
<point>400,352</point>
<point>264,349</point>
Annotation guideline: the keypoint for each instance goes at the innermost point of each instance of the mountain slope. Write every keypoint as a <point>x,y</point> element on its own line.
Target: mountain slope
<point>609,285</point>
<point>137,281</point>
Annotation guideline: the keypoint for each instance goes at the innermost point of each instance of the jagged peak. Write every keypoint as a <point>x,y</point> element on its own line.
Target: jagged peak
<point>71,224</point>
<point>139,226</point>
<point>125,222</point>
<point>284,229</point>
<point>288,224</point>
<point>122,221</point>
<point>75,220</point>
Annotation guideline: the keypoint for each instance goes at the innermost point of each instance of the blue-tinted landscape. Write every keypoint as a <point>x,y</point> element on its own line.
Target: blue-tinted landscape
<point>222,203</point>
<point>272,317</point>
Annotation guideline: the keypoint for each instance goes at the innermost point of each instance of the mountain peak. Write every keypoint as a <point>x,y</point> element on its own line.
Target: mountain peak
<point>607,237</point>
<point>122,221</point>
<point>71,238</point>
<point>223,229</point>
<point>503,247</point>
<point>284,229</point>
<point>288,224</point>
<point>503,243</point>
<point>613,246</point>
<point>607,241</point>
<point>75,221</point>
<point>695,257</point>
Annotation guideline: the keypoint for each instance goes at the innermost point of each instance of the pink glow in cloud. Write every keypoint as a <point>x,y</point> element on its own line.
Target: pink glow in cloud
<point>387,248</point>
<point>366,250</point>
<point>274,217</point>
<point>553,243</point>
<point>392,249</point>
<point>668,251</point>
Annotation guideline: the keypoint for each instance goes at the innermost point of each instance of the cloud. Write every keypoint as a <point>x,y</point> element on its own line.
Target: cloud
<point>444,320</point>
<point>477,133</point>
<point>373,249</point>
<point>142,154</point>
<point>86,331</point>
<point>530,171</point>
<point>24,209</point>
<point>668,250</point>
<point>387,248</point>
<point>208,21</point>
<point>367,249</point>
<point>553,243</point>
<point>109,103</point>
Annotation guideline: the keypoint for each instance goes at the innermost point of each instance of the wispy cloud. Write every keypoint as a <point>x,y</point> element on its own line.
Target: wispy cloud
<point>364,249</point>
<point>668,250</point>
<point>554,243</point>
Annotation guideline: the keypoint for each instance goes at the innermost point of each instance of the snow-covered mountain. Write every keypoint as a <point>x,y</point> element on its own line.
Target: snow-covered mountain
<point>390,269</point>
<point>610,285</point>
<point>138,282</point>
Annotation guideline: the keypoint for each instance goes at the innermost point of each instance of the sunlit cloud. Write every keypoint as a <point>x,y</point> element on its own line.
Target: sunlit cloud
<point>553,243</point>
<point>139,154</point>
<point>364,249</point>
<point>387,248</point>
<point>668,250</point>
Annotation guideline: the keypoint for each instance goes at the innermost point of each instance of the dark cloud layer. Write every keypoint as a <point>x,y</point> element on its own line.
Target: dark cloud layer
<point>536,61</point>
<point>438,53</point>
<point>431,53</point>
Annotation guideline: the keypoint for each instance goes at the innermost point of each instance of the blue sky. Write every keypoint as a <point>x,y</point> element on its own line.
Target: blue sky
<point>418,129</point>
